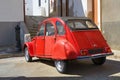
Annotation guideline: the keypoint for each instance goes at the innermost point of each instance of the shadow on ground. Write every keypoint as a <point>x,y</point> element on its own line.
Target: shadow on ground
<point>84,70</point>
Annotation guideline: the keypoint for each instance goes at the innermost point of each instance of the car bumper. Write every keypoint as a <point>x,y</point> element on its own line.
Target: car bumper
<point>95,55</point>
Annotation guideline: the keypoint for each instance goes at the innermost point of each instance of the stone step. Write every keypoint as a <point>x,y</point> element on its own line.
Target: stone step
<point>32,24</point>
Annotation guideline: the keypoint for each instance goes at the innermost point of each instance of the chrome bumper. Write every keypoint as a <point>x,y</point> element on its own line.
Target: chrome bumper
<point>95,55</point>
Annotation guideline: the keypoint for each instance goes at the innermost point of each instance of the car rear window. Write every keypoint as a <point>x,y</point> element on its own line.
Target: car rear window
<point>81,24</point>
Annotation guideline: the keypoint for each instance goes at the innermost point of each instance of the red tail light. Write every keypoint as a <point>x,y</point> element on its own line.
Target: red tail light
<point>84,52</point>
<point>107,49</point>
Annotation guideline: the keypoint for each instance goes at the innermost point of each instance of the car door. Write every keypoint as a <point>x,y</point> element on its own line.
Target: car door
<point>40,41</point>
<point>50,38</point>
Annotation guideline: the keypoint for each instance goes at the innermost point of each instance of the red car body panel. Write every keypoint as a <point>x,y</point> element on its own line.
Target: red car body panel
<point>30,47</point>
<point>71,45</point>
<point>88,39</point>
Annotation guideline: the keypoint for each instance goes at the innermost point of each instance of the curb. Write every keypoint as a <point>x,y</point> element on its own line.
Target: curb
<point>10,51</point>
<point>9,55</point>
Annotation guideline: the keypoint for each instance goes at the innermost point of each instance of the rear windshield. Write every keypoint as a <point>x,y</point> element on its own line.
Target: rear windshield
<point>81,24</point>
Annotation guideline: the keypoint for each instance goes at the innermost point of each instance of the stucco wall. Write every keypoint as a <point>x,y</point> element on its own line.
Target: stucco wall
<point>11,10</point>
<point>111,22</point>
<point>7,33</point>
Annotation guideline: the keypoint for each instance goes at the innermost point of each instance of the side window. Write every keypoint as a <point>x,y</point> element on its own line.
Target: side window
<point>50,30</point>
<point>71,25</point>
<point>41,31</point>
<point>60,28</point>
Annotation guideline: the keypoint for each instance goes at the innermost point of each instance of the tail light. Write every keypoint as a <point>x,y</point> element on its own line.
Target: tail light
<point>107,49</point>
<point>84,52</point>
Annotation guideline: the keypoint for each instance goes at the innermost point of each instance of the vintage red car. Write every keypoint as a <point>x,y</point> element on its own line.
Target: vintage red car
<point>68,38</point>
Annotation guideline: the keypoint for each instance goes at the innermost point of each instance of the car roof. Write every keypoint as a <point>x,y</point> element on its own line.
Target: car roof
<point>73,18</point>
<point>68,18</point>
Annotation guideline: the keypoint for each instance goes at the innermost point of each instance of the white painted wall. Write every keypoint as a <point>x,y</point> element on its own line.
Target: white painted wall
<point>36,8</point>
<point>11,10</point>
<point>28,7</point>
<point>45,7</point>
<point>33,8</point>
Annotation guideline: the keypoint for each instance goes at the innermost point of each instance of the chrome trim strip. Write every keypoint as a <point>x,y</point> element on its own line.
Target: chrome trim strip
<point>95,55</point>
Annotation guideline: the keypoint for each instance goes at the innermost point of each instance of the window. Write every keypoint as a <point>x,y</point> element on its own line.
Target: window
<point>71,25</point>
<point>90,25</point>
<point>60,28</point>
<point>41,31</point>
<point>39,3</point>
<point>81,24</point>
<point>50,30</point>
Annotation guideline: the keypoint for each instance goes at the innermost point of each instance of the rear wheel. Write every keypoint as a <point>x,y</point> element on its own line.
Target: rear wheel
<point>99,61</point>
<point>28,58</point>
<point>61,66</point>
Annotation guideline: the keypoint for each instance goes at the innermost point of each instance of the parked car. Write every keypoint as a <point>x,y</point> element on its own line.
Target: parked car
<point>67,38</point>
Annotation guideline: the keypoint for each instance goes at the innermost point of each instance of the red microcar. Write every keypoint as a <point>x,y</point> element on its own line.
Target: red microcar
<point>67,38</point>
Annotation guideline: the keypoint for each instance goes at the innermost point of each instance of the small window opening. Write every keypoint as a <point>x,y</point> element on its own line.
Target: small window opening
<point>39,3</point>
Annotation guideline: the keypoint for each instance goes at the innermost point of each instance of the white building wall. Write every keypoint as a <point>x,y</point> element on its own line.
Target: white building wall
<point>33,8</point>
<point>11,10</point>
<point>28,7</point>
<point>47,7</point>
<point>36,8</point>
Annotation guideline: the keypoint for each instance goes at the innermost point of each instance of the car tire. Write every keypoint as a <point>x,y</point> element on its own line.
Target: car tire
<point>61,66</point>
<point>99,61</point>
<point>28,58</point>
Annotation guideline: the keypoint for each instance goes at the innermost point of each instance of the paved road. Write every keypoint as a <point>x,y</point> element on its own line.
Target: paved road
<point>17,69</point>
